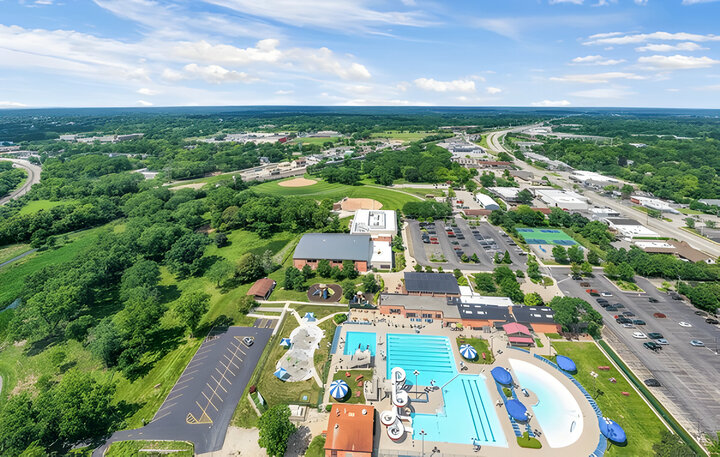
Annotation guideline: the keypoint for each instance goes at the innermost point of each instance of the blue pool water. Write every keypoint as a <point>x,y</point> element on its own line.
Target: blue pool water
<point>361,339</point>
<point>430,355</point>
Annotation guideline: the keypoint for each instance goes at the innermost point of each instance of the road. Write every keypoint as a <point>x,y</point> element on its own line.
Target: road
<point>663,228</point>
<point>688,374</point>
<point>33,172</point>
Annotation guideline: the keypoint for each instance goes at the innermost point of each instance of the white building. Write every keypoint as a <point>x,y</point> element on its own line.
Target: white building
<point>382,255</point>
<point>486,201</point>
<point>602,213</point>
<point>654,203</point>
<point>376,223</point>
<point>564,199</point>
<point>509,194</point>
<point>629,228</point>
<point>591,176</point>
<point>468,296</point>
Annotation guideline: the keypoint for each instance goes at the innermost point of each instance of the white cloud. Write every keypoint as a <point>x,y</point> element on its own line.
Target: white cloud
<point>602,93</point>
<point>638,38</point>
<point>144,103</point>
<point>641,2</point>
<point>695,2</point>
<point>8,104</point>
<point>493,90</point>
<point>684,46</point>
<point>677,62</point>
<point>458,85</point>
<point>213,74</point>
<point>597,78</point>
<point>284,92</point>
<point>551,103</point>
<point>596,60</point>
<point>146,91</point>
<point>574,2</point>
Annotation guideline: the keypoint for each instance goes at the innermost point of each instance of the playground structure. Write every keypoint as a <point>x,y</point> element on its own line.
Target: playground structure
<point>393,419</point>
<point>324,293</point>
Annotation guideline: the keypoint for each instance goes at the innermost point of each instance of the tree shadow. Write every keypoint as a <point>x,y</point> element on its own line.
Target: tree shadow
<point>220,324</point>
<point>37,346</point>
<point>169,293</point>
<point>67,365</point>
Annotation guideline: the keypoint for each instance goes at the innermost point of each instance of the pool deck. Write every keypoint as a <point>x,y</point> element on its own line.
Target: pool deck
<point>381,325</point>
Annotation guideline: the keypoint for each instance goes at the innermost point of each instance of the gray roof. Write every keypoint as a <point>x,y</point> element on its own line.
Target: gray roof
<point>421,302</point>
<point>622,221</point>
<point>533,314</point>
<point>710,201</point>
<point>437,283</point>
<point>483,312</point>
<point>334,246</point>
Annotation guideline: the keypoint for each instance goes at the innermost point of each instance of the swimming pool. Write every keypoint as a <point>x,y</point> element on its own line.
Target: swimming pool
<point>557,411</point>
<point>430,355</point>
<point>471,415</point>
<point>353,340</point>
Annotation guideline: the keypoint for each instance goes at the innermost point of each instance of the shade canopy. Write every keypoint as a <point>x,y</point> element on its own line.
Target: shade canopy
<point>310,316</point>
<point>339,388</point>
<point>611,430</point>
<point>468,352</point>
<point>517,410</point>
<point>281,374</point>
<point>566,363</point>
<point>285,342</point>
<point>501,375</point>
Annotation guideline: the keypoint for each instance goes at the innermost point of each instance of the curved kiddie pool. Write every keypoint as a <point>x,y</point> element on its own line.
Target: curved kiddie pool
<point>557,410</point>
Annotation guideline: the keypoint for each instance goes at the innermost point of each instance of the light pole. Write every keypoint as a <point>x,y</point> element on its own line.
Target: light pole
<point>417,391</point>
<point>422,435</point>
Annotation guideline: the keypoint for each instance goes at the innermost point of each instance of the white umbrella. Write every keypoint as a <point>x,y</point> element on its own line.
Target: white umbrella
<point>339,388</point>
<point>468,351</point>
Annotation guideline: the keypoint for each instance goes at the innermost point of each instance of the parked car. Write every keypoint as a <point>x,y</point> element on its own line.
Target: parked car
<point>655,335</point>
<point>628,325</point>
<point>652,346</point>
<point>610,308</point>
<point>623,320</point>
<point>584,284</point>
<point>675,296</point>
<point>701,313</point>
<point>652,382</point>
<point>592,291</point>
<point>685,324</point>
<point>659,315</point>
<point>601,300</point>
<point>662,341</point>
<point>638,322</point>
<point>653,300</point>
<point>628,313</point>
<point>576,277</point>
<point>711,320</point>
<point>606,294</point>
<point>248,340</point>
<point>639,335</point>
<point>697,343</point>
<point>619,305</point>
<point>605,305</point>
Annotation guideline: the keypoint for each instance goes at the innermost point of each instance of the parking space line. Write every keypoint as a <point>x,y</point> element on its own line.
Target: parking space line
<point>231,360</point>
<point>164,415</point>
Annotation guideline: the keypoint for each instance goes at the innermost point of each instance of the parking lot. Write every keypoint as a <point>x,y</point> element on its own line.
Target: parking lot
<point>200,405</point>
<point>688,374</point>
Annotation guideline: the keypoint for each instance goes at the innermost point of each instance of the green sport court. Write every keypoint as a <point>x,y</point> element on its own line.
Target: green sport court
<point>546,236</point>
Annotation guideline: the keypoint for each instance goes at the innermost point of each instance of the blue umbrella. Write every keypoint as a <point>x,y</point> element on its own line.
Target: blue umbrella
<point>566,363</point>
<point>310,316</point>
<point>501,375</point>
<point>282,374</point>
<point>468,352</point>
<point>339,388</point>
<point>611,430</point>
<point>285,342</point>
<point>517,410</point>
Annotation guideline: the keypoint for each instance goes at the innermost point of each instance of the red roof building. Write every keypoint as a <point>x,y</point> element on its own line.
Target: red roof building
<point>262,288</point>
<point>350,431</point>
<point>518,334</point>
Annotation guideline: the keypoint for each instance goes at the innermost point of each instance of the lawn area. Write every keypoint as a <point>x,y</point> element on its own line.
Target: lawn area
<point>407,137</point>
<point>480,346</point>
<point>13,250</point>
<point>13,275</point>
<point>36,205</point>
<point>317,140</point>
<point>420,192</point>
<point>245,416</point>
<point>319,310</point>
<point>689,211</point>
<point>133,448</point>
<point>484,142</point>
<point>642,426</point>
<point>316,448</point>
<point>391,199</point>
<point>242,241</point>
<point>626,285</point>
<point>352,383</point>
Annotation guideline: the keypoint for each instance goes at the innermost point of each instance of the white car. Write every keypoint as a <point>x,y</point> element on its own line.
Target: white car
<point>606,294</point>
<point>639,335</point>
<point>685,324</point>
<point>697,343</point>
<point>628,326</point>
<point>662,341</point>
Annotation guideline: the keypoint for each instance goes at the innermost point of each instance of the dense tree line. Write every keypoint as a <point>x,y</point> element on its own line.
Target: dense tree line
<point>10,177</point>
<point>427,210</point>
<point>576,315</point>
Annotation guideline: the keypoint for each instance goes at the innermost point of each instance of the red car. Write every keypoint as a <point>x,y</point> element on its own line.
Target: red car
<point>591,291</point>
<point>659,315</point>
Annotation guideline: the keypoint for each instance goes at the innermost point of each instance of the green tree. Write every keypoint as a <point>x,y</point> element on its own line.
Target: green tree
<point>18,424</point>
<point>185,251</point>
<point>275,430</point>
<point>593,258</point>
<point>323,268</point>
<point>294,279</point>
<point>506,258</point>
<point>191,307</point>
<point>246,303</point>
<point>626,191</point>
<point>34,450</point>
<point>611,270</point>
<point>349,269</point>
<point>586,268</point>
<point>307,271</point>
<point>525,197</point>
<point>370,284</point>
<point>671,445</point>
<point>220,271</point>
<point>520,274</point>
<point>418,267</point>
<point>475,258</point>
<point>428,269</point>
<point>497,258</point>
<point>560,254</point>
<point>484,282</point>
<point>575,269</point>
<point>348,287</point>
<point>626,272</point>
<point>457,273</point>
<point>249,268</point>
<point>471,186</point>
<point>690,222</point>
<point>487,179</point>
<point>710,224</point>
<point>143,273</point>
<point>575,254</point>
<point>533,299</point>
<point>714,445</point>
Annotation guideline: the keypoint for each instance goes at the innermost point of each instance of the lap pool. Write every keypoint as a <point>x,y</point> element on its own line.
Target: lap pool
<point>361,340</point>
<point>430,355</point>
<point>557,410</point>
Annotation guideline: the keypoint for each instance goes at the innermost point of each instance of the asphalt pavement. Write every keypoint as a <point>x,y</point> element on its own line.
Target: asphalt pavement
<point>689,375</point>
<point>33,172</point>
<point>201,404</point>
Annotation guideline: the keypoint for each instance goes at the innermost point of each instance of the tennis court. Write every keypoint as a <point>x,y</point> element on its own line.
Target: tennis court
<point>546,236</point>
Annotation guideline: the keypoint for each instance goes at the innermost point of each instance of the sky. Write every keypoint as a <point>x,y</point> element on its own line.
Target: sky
<point>566,53</point>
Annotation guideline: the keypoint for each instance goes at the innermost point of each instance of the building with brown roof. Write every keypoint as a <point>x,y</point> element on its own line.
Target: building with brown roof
<point>350,431</point>
<point>262,288</point>
<point>680,249</point>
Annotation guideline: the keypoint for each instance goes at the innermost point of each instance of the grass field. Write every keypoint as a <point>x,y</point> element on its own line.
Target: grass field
<point>391,199</point>
<point>134,448</point>
<point>352,383</point>
<point>319,141</point>
<point>13,275</point>
<point>420,192</point>
<point>548,235</point>
<point>36,205</point>
<point>407,137</point>
<point>641,425</point>
<point>11,251</point>
<point>481,346</point>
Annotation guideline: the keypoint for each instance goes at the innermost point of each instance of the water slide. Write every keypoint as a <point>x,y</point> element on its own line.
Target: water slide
<point>392,418</point>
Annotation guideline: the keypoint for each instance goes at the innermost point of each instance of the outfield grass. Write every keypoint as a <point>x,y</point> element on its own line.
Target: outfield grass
<point>642,426</point>
<point>391,199</point>
<point>11,251</point>
<point>420,192</point>
<point>12,276</point>
<point>36,205</point>
<point>133,448</point>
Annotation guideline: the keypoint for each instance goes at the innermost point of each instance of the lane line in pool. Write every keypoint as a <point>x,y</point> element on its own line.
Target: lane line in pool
<point>473,406</point>
<point>487,418</point>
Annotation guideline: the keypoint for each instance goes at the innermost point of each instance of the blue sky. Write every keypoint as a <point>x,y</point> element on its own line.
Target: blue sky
<point>643,53</point>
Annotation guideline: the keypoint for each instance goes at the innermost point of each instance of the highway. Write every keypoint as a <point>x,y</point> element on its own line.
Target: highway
<point>33,172</point>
